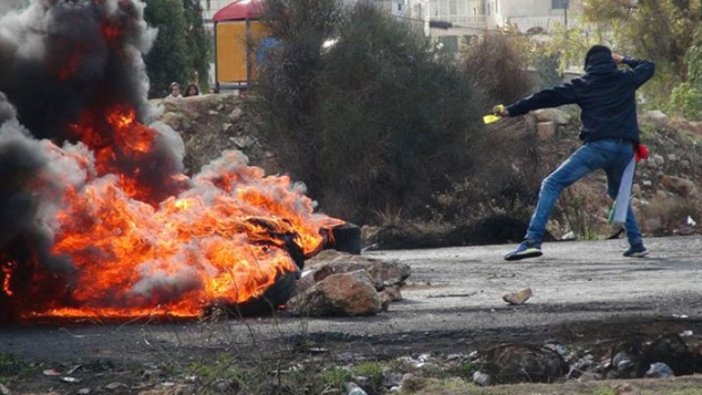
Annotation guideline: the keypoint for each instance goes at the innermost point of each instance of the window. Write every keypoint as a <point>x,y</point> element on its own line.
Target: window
<point>453,7</point>
<point>450,43</point>
<point>497,6</point>
<point>559,4</point>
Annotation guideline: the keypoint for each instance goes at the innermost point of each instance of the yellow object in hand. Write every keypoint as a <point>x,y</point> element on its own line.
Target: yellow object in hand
<point>488,119</point>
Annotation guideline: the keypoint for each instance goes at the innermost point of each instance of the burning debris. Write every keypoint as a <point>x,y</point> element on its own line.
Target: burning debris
<point>96,215</point>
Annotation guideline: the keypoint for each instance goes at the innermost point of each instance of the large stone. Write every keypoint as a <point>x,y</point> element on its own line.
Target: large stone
<point>343,294</point>
<point>236,113</point>
<point>680,186</point>
<point>383,272</point>
<point>551,115</point>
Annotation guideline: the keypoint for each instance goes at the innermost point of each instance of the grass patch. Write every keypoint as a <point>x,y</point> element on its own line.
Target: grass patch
<point>373,370</point>
<point>336,377</point>
<point>12,368</point>
<point>605,390</point>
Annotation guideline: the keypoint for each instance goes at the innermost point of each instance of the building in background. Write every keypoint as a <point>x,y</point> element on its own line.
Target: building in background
<point>529,15</point>
<point>398,8</point>
<point>451,22</point>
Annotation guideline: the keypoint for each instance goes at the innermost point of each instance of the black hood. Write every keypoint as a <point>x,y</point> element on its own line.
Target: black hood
<point>600,63</point>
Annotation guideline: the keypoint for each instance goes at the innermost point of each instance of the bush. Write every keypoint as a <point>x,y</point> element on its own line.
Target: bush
<point>381,121</point>
<point>686,100</point>
<point>287,80</point>
<point>395,121</point>
<point>498,63</point>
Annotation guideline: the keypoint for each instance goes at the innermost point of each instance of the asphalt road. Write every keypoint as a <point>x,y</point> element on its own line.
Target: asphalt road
<point>454,296</point>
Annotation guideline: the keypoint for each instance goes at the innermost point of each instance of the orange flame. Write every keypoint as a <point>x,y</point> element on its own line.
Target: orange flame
<point>225,240</point>
<point>8,268</point>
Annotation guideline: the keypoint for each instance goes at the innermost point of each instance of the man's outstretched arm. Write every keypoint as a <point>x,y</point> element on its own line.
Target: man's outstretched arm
<point>553,97</point>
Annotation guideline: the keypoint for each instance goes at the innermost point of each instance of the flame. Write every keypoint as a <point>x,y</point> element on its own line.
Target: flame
<point>111,32</point>
<point>224,240</point>
<point>129,142</point>
<point>8,268</point>
<point>129,242</point>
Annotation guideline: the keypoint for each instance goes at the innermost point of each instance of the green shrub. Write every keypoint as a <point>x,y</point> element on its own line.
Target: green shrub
<point>335,377</point>
<point>686,100</point>
<point>395,123</point>
<point>378,120</point>
<point>287,81</point>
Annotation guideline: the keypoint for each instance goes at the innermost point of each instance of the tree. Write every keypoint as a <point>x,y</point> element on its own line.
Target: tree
<point>168,59</point>
<point>198,42</point>
<point>181,47</point>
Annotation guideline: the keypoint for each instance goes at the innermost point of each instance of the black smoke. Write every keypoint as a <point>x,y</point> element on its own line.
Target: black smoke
<point>60,59</point>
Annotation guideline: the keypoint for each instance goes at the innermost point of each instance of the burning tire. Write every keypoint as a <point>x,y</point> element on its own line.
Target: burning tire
<point>277,295</point>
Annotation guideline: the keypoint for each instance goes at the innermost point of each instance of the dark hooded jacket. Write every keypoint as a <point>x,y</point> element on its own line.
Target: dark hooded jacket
<point>605,94</point>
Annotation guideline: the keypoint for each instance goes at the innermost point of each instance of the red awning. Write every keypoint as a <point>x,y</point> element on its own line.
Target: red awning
<point>239,10</point>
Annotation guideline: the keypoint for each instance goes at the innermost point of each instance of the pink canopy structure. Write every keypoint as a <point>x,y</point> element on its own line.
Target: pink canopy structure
<point>239,10</point>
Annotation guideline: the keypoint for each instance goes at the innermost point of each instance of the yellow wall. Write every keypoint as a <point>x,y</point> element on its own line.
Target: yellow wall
<point>231,49</point>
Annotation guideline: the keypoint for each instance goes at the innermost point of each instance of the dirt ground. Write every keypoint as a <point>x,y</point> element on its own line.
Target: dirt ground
<point>585,295</point>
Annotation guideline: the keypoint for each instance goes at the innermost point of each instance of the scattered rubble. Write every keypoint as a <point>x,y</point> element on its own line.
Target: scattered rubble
<point>383,272</point>
<point>516,363</point>
<point>210,124</point>
<point>338,283</point>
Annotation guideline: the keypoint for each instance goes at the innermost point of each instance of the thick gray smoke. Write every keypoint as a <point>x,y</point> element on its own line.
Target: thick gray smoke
<point>65,63</point>
<point>27,201</point>
<point>56,51</point>
<point>8,5</point>
<point>63,59</point>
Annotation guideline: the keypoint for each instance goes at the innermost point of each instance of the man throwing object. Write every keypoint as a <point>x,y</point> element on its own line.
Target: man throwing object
<point>610,135</point>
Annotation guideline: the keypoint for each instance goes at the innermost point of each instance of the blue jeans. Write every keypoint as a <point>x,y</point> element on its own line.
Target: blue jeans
<point>612,156</point>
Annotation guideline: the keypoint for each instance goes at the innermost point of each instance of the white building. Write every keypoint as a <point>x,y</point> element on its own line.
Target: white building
<point>469,18</point>
<point>528,15</point>
<point>398,8</point>
<point>466,18</point>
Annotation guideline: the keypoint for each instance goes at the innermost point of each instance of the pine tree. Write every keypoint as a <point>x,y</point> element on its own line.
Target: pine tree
<point>168,60</point>
<point>198,41</point>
